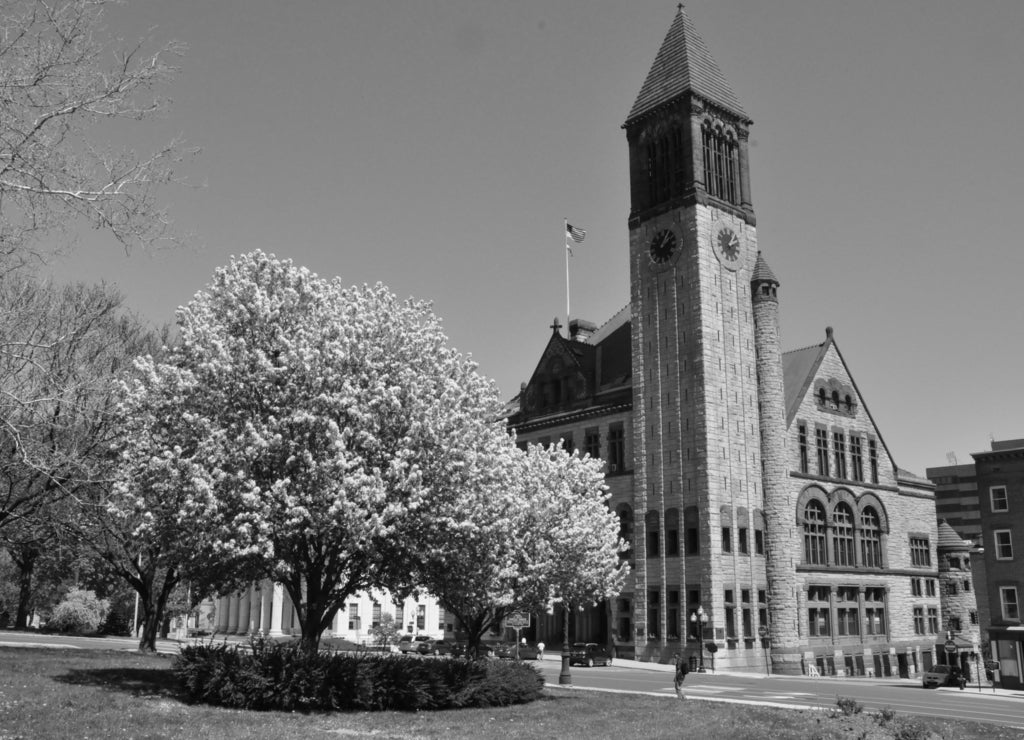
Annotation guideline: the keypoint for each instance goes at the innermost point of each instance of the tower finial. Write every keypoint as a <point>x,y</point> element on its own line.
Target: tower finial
<point>679,8</point>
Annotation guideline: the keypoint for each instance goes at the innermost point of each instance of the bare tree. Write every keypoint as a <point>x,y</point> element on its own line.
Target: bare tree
<point>61,76</point>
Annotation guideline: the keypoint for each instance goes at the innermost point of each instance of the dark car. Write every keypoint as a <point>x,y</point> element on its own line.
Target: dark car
<point>449,647</point>
<point>526,650</point>
<point>589,654</point>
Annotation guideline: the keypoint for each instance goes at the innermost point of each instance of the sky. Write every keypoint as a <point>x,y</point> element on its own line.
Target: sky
<point>437,145</point>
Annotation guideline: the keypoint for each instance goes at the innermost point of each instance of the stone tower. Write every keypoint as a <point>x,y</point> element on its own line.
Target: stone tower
<point>956,591</point>
<point>779,499</point>
<point>693,246</point>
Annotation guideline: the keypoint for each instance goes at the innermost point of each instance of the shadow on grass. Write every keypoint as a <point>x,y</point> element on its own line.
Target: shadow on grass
<point>134,681</point>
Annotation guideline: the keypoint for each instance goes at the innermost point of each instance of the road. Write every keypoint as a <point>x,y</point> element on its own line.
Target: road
<point>903,696</point>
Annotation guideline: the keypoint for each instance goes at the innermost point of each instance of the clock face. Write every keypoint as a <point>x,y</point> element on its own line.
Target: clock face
<point>728,247</point>
<point>663,246</point>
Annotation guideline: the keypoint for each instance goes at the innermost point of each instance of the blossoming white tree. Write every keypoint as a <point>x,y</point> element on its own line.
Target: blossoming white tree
<point>534,529</point>
<point>306,425</point>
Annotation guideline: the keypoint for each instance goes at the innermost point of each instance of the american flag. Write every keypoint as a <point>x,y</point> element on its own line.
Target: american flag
<point>577,235</point>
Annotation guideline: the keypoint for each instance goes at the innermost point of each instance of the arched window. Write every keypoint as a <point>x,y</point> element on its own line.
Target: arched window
<point>842,536</point>
<point>870,538</point>
<point>814,534</point>
<point>721,164</point>
<point>821,396</point>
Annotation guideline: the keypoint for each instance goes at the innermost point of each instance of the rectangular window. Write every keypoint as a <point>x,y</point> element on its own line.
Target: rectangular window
<point>821,437</point>
<point>616,448</point>
<point>874,611</point>
<point>933,620</point>
<point>1008,603</point>
<point>567,443</point>
<point>759,541</point>
<point>1004,544</point>
<point>376,614</point>
<point>726,539</point>
<point>440,618</point>
<point>353,616</point>
<point>857,457</point>
<point>918,620</point>
<point>954,624</point>
<point>742,542</point>
<point>997,497</point>
<point>762,608</point>
<point>915,587</point>
<point>802,437</point>
<point>399,615</point>
<point>930,586</point>
<point>672,628</point>
<point>920,554</point>
<point>672,542</point>
<point>839,450</point>
<point>421,616</point>
<point>818,624</point>
<point>653,543</point>
<point>692,541</point>
<point>873,458</point>
<point>653,612</point>
<point>592,442</point>
<point>730,614</point>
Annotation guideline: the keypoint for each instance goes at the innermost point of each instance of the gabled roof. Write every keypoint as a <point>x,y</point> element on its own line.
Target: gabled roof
<point>799,368</point>
<point>684,64</point>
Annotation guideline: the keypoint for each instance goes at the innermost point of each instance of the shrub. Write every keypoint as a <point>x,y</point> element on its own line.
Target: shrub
<point>80,612</point>
<point>848,706</point>
<point>286,677</point>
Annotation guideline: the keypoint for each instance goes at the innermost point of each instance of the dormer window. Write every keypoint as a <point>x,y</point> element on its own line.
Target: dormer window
<point>835,396</point>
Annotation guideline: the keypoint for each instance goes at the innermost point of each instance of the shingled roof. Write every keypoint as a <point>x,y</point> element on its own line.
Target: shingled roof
<point>684,64</point>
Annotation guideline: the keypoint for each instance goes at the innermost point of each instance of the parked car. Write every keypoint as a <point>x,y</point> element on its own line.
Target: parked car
<point>589,654</point>
<point>937,675</point>
<point>527,650</point>
<point>449,647</point>
<point>422,644</point>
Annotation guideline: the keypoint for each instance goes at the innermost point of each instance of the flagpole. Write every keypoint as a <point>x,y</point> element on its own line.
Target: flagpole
<point>565,239</point>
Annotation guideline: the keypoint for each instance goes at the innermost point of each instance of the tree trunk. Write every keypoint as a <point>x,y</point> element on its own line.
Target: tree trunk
<point>26,562</point>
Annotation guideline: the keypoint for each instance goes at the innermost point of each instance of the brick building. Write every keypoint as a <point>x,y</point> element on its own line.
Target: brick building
<point>1000,476</point>
<point>752,484</point>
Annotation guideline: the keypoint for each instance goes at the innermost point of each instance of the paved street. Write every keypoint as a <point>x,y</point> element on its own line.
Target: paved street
<point>902,695</point>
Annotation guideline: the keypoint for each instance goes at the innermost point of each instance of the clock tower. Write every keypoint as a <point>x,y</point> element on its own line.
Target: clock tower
<point>697,436</point>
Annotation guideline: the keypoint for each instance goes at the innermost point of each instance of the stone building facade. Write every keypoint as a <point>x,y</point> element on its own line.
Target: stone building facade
<point>752,484</point>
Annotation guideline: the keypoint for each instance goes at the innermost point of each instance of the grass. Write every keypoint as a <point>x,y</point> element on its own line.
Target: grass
<point>47,693</point>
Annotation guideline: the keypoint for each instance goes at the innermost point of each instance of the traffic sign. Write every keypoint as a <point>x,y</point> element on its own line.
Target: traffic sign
<point>991,665</point>
<point>517,620</point>
<point>950,646</point>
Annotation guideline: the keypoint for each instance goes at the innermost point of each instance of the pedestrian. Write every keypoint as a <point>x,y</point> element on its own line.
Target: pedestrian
<point>540,651</point>
<point>682,668</point>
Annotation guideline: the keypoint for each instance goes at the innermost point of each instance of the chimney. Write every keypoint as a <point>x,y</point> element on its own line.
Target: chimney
<point>580,330</point>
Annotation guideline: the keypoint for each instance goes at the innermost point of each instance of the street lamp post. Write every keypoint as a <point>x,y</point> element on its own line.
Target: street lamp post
<point>762,632</point>
<point>699,619</point>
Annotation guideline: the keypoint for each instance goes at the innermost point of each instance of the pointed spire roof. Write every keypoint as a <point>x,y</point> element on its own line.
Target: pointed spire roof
<point>949,540</point>
<point>762,272</point>
<point>684,64</point>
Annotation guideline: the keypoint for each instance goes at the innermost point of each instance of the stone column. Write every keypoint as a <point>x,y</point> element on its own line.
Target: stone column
<point>243,611</point>
<point>223,608</point>
<point>232,614</point>
<point>276,611</point>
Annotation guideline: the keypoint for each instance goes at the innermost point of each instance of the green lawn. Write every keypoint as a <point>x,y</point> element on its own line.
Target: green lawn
<point>101,694</point>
